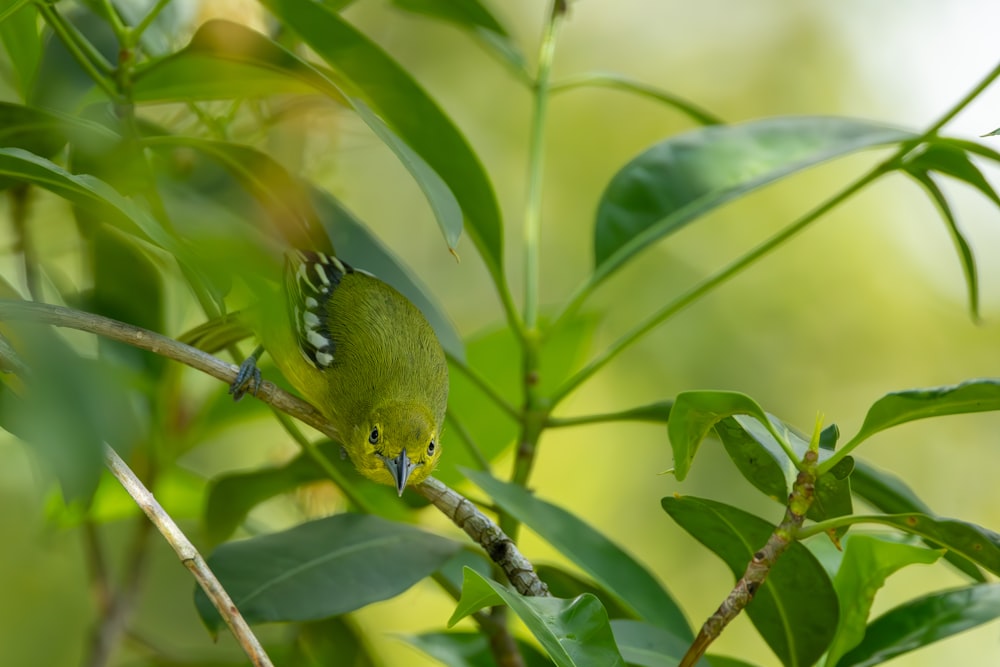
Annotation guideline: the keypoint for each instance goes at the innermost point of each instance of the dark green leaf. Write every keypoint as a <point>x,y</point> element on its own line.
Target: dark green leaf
<point>323,568</point>
<point>332,641</point>
<point>469,14</point>
<point>470,649</point>
<point>61,83</point>
<point>645,645</point>
<point>564,584</point>
<point>951,159</point>
<point>683,177</point>
<point>924,621</point>
<point>610,566</point>
<point>889,494</point>
<point>795,610</point>
<point>867,563</point>
<point>575,633</point>
<point>413,115</point>
<point>22,41</point>
<point>906,406</point>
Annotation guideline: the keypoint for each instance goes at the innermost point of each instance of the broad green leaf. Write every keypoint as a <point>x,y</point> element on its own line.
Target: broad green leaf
<point>468,14</point>
<point>470,649</point>
<point>906,406</point>
<point>867,563</point>
<point>887,493</point>
<point>684,177</point>
<point>322,568</point>
<point>645,645</point>
<point>23,42</point>
<point>374,77</point>
<point>695,413</point>
<point>232,496</point>
<point>332,641</point>
<point>610,566</point>
<point>227,60</point>
<point>795,610</point>
<point>979,545</point>
<point>575,633</point>
<point>924,621</point>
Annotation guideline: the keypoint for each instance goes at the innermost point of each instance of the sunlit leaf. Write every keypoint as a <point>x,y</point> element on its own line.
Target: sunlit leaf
<point>867,563</point>
<point>684,177</point>
<point>575,633</point>
<point>322,568</point>
<point>592,552</point>
<point>887,493</point>
<point>924,621</point>
<point>795,610</point>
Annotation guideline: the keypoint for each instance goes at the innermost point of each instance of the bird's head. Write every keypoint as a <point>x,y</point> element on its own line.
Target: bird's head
<point>397,445</point>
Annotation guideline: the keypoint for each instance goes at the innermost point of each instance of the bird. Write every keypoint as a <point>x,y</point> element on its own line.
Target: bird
<point>366,358</point>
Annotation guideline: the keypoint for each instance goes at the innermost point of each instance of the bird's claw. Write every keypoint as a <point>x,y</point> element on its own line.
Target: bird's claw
<point>247,379</point>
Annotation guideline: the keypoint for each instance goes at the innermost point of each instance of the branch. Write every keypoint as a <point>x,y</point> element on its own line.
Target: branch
<point>478,526</point>
<point>760,565</point>
<point>189,556</point>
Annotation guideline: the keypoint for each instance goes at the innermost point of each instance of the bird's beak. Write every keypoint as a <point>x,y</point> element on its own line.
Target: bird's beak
<point>400,469</point>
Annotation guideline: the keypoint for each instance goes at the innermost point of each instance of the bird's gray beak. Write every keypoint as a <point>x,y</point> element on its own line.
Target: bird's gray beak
<point>400,469</point>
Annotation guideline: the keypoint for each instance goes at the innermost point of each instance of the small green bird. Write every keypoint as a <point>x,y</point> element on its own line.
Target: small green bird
<point>367,359</point>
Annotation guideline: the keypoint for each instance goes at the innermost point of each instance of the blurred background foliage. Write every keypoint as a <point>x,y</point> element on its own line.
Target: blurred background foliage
<point>869,300</point>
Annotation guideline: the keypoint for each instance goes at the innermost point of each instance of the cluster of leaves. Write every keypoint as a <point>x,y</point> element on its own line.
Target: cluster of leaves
<point>180,199</point>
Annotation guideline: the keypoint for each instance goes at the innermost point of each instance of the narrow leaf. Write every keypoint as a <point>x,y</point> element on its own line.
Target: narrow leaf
<point>592,552</point>
<point>887,493</point>
<point>795,610</point>
<point>469,14</point>
<point>323,568</point>
<point>575,633</point>
<point>924,621</point>
<point>867,563</point>
<point>906,406</point>
<point>951,159</point>
<point>684,177</point>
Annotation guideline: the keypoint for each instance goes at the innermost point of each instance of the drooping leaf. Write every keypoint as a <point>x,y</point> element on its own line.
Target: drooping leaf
<point>795,610</point>
<point>684,177</point>
<point>411,113</point>
<point>924,621</point>
<point>950,159</point>
<point>592,552</point>
<point>906,406</point>
<point>323,568</point>
<point>575,633</point>
<point>867,563</point>
<point>887,493</point>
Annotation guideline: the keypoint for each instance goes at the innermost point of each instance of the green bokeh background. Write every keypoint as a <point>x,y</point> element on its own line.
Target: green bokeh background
<point>868,300</point>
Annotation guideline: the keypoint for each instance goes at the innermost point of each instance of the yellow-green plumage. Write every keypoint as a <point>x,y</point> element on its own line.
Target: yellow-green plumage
<point>368,360</point>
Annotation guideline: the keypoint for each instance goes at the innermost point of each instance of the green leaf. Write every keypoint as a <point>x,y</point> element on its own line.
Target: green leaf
<point>322,568</point>
<point>470,649</point>
<point>565,584</point>
<point>332,641</point>
<point>887,493</point>
<point>994,133</point>
<point>645,645</point>
<point>924,621</point>
<point>468,14</point>
<point>410,112</point>
<point>575,633</point>
<point>795,610</point>
<point>974,542</point>
<point>906,406</point>
<point>867,563</point>
<point>12,9</point>
<point>610,566</point>
<point>695,413</point>
<point>950,159</point>
<point>23,42</point>
<point>684,177</point>
<point>232,496</point>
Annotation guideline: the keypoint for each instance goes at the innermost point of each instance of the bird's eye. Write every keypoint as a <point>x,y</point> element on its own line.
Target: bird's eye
<point>430,448</point>
<point>373,436</point>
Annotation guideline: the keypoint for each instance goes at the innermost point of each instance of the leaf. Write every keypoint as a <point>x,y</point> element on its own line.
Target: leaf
<point>410,112</point>
<point>950,159</point>
<point>695,413</point>
<point>470,649</point>
<point>906,406</point>
<point>322,568</point>
<point>21,38</point>
<point>646,645</point>
<point>961,244</point>
<point>332,641</point>
<point>867,563</point>
<point>468,14</point>
<point>12,8</point>
<point>610,566</point>
<point>565,584</point>
<point>887,493</point>
<point>795,610</point>
<point>684,177</point>
<point>231,497</point>
<point>924,621</point>
<point>575,633</point>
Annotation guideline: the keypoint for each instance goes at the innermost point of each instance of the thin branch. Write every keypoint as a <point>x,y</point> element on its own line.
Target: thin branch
<point>189,556</point>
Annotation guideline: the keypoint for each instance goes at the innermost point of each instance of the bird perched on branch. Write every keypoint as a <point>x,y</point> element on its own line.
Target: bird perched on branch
<point>367,359</point>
